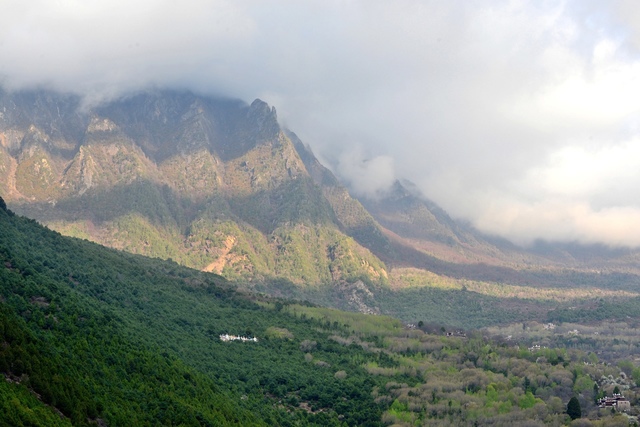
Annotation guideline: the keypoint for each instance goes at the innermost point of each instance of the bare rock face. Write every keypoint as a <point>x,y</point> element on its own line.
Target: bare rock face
<point>176,175</point>
<point>358,297</point>
<point>177,139</point>
<point>263,120</point>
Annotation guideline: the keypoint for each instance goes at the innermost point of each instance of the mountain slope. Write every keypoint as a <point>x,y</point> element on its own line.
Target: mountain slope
<point>92,336</point>
<point>217,185</point>
<point>424,225</point>
<point>212,183</point>
<point>103,337</point>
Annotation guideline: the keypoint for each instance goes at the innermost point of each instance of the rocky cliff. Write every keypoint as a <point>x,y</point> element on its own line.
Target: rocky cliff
<point>215,184</point>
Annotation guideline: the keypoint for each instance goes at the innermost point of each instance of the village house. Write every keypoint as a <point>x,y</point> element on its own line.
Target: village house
<point>227,337</point>
<point>617,402</point>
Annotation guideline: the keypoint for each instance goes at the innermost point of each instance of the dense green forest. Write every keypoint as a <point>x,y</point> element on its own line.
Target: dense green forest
<point>103,335</point>
<point>95,336</point>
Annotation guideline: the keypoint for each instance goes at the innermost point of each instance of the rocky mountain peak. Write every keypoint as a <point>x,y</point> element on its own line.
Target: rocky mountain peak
<point>261,108</point>
<point>214,183</point>
<point>264,119</point>
<point>101,124</point>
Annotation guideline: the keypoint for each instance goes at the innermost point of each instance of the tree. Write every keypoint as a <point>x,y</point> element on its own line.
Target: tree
<point>528,401</point>
<point>3,205</point>
<point>626,366</point>
<point>635,374</point>
<point>573,408</point>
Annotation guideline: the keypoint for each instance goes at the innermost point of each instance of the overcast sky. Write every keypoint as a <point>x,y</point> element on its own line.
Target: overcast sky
<point>519,116</point>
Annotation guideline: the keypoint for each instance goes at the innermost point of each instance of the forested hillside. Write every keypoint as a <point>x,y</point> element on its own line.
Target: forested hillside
<point>101,335</point>
<point>95,336</point>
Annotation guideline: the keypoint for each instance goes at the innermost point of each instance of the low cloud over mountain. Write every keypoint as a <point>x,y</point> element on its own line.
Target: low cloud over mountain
<point>518,116</point>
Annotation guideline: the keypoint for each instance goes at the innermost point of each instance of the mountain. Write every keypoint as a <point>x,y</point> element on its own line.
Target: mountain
<point>422,224</point>
<point>218,185</point>
<point>215,184</point>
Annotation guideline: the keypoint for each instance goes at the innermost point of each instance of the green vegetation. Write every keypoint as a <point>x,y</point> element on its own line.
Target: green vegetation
<point>20,407</point>
<point>573,408</point>
<point>472,379</point>
<point>100,334</point>
<point>94,335</point>
<point>286,232</point>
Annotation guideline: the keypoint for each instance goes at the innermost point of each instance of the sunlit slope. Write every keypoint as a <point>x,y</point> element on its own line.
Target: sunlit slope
<point>214,184</point>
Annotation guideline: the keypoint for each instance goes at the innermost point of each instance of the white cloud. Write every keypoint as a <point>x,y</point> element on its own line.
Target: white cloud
<point>365,176</point>
<point>562,221</point>
<point>521,116</point>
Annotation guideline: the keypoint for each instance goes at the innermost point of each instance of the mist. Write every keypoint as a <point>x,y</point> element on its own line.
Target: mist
<point>518,116</point>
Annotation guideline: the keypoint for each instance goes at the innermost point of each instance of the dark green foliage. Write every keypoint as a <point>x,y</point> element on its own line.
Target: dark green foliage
<point>19,407</point>
<point>573,408</point>
<point>105,336</point>
<point>100,334</point>
<point>597,310</point>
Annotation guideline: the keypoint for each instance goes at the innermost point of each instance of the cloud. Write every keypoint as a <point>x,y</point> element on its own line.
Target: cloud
<point>109,47</point>
<point>564,221</point>
<point>520,116</point>
<point>369,177</point>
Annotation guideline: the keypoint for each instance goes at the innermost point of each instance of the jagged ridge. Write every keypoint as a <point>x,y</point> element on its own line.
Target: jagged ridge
<point>215,184</point>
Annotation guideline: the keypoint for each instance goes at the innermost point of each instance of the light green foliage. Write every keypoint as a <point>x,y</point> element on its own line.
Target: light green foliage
<point>583,384</point>
<point>278,333</point>
<point>301,254</point>
<point>322,255</point>
<point>134,233</point>
<point>505,407</point>
<point>527,401</point>
<point>357,322</point>
<point>492,394</point>
<point>399,411</point>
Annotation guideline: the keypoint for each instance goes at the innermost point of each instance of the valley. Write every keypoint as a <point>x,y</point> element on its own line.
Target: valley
<point>168,258</point>
<point>218,185</point>
<point>94,336</point>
